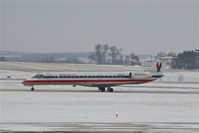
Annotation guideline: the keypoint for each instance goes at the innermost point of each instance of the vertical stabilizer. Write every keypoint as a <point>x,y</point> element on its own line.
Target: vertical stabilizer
<point>156,66</point>
<point>159,64</point>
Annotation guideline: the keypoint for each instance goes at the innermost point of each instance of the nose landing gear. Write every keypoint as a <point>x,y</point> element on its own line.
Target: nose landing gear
<point>32,89</point>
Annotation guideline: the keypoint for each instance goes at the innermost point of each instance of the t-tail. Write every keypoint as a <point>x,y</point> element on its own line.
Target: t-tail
<point>158,66</point>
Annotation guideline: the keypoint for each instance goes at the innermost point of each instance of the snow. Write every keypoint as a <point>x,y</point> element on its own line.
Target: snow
<point>181,76</point>
<point>95,107</point>
<point>98,107</point>
<point>59,67</point>
<point>170,104</point>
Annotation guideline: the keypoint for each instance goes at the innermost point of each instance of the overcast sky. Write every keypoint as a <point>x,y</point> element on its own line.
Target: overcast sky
<point>143,27</point>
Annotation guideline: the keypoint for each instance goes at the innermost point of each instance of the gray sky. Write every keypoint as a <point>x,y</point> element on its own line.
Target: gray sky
<point>70,26</point>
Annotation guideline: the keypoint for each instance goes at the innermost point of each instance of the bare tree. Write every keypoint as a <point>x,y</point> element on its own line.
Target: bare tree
<point>100,54</point>
<point>105,52</point>
<point>127,60</point>
<point>114,52</point>
<point>119,57</point>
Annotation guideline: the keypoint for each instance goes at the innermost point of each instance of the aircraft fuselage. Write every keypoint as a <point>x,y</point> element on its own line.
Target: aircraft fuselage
<point>93,79</point>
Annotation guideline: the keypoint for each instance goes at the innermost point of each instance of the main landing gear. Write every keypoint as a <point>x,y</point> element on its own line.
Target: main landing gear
<point>102,89</point>
<point>109,89</point>
<point>32,89</point>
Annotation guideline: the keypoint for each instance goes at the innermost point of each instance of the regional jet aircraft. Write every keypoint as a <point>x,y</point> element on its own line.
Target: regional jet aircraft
<point>97,79</point>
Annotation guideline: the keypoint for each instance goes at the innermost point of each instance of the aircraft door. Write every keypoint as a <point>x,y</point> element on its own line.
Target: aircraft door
<point>130,75</point>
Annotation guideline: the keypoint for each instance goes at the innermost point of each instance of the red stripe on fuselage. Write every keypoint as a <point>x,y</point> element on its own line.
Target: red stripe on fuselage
<point>72,81</point>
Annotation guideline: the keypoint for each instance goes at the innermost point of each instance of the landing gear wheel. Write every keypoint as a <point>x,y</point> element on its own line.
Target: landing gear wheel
<point>109,89</point>
<point>32,89</point>
<point>102,89</point>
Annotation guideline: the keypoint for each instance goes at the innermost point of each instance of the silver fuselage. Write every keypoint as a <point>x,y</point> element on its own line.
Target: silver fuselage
<point>93,79</point>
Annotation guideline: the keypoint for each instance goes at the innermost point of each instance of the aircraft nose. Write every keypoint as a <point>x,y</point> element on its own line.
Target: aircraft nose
<point>24,82</point>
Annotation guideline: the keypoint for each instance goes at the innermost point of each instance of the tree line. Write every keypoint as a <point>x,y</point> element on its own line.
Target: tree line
<point>186,60</point>
<point>105,54</point>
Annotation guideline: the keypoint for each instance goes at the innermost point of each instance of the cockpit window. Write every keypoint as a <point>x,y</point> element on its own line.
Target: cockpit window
<point>38,76</point>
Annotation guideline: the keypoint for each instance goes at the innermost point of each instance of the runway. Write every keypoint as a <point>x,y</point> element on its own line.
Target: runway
<point>153,87</point>
<point>166,106</point>
<point>96,91</point>
<point>83,127</point>
<point>85,109</point>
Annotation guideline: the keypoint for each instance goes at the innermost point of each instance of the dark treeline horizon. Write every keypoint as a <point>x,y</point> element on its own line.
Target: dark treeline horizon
<point>104,54</point>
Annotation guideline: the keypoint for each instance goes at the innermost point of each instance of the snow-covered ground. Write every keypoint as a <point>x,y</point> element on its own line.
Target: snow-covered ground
<point>170,104</point>
<point>24,70</point>
<point>181,76</point>
<point>48,109</point>
<point>61,67</point>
